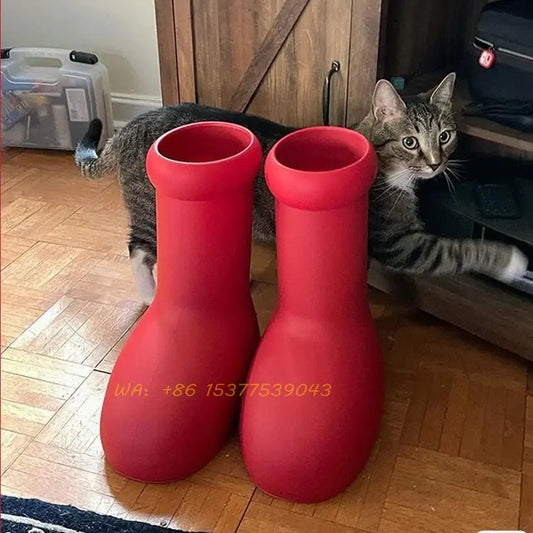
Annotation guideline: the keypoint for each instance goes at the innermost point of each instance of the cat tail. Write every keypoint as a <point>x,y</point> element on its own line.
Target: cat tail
<point>93,165</point>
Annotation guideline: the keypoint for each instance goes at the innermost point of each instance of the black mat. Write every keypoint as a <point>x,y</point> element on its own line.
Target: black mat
<point>20,515</point>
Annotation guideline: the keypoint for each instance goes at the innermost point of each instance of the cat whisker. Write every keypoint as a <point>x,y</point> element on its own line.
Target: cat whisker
<point>451,186</point>
<point>455,173</point>
<point>411,179</point>
<point>457,166</point>
<point>388,188</point>
<point>391,190</point>
<point>377,186</point>
<point>399,174</point>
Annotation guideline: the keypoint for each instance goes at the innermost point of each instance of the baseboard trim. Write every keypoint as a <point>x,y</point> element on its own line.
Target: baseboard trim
<point>128,106</point>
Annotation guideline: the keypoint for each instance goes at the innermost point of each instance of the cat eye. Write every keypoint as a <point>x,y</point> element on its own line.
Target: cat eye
<point>445,136</point>
<point>411,143</point>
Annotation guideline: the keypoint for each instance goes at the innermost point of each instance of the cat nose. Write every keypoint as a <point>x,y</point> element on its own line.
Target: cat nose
<point>434,166</point>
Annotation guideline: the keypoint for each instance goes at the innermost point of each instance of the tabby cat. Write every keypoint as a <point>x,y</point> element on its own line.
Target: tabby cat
<point>413,139</point>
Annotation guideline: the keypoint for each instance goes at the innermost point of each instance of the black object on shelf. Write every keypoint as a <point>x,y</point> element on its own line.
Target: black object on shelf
<point>458,214</point>
<point>501,54</point>
<point>500,64</point>
<point>497,200</point>
<point>515,114</point>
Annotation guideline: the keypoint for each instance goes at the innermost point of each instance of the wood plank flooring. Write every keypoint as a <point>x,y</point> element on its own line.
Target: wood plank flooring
<point>456,446</point>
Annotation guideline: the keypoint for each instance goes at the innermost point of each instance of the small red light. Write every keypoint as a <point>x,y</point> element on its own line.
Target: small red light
<point>487,58</point>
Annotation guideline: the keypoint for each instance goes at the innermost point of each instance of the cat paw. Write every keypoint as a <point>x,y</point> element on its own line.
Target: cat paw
<point>516,267</point>
<point>147,300</point>
<point>147,292</point>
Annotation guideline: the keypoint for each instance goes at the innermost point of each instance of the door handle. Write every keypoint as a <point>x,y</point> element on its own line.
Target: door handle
<point>335,67</point>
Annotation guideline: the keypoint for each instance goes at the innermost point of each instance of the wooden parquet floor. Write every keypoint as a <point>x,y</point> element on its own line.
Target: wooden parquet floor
<point>456,447</point>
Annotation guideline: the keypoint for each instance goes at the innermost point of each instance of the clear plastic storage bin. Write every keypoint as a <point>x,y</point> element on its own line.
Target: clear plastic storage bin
<point>50,95</point>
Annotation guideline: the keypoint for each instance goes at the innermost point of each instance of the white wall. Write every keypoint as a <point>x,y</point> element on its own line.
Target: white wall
<point>122,33</point>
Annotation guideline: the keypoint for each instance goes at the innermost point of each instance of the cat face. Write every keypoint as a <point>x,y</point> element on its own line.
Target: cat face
<point>413,138</point>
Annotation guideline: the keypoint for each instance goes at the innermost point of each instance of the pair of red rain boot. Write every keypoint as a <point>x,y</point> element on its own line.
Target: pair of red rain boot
<point>313,396</point>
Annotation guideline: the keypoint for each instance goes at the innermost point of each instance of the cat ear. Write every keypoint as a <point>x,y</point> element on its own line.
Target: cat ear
<point>442,95</point>
<point>386,102</point>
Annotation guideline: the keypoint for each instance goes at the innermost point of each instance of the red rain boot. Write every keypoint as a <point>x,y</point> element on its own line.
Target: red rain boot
<point>308,428</point>
<point>160,419</point>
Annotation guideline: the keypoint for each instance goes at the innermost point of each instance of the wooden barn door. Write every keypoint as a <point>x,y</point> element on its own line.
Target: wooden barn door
<point>270,57</point>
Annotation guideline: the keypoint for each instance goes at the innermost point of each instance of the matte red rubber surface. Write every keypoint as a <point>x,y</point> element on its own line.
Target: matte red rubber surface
<point>201,328</point>
<point>308,446</point>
